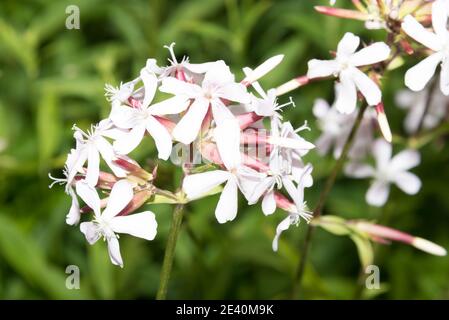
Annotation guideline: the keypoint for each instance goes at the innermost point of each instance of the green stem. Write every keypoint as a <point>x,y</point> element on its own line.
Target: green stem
<point>170,251</point>
<point>323,197</point>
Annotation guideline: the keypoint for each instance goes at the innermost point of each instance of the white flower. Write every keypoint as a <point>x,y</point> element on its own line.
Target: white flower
<point>227,137</point>
<point>388,170</point>
<point>335,128</point>
<point>415,103</point>
<point>297,211</point>
<point>89,147</point>
<point>345,66</point>
<point>143,118</point>
<point>218,84</point>
<point>417,77</point>
<point>107,223</point>
<point>120,94</point>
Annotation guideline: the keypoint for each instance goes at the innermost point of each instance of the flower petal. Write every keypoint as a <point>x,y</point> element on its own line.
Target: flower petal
<point>219,73</point>
<point>417,31</point>
<point>161,136</point>
<point>367,87</point>
<point>89,230</point>
<point>123,116</point>
<point>178,87</point>
<point>405,160</point>
<point>73,217</point>
<point>439,20</point>
<point>348,44</point>
<point>408,182</point>
<point>227,137</point>
<point>444,77</point>
<point>130,141</point>
<point>381,151</point>
<point>89,195</point>
<point>372,54</point>
<point>284,225</point>
<point>234,92</point>
<point>227,206</point>
<point>142,225</point>
<point>114,252</point>
<point>174,105</point>
<point>346,101</point>
<point>269,203</point>
<point>121,195</point>
<point>357,170</point>
<point>93,165</point>
<point>322,68</point>
<point>377,194</point>
<point>418,76</point>
<point>196,185</point>
<point>320,108</point>
<point>188,127</point>
<point>149,80</point>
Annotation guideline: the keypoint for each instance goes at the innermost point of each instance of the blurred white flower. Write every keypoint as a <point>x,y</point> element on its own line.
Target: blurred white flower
<point>418,76</point>
<point>143,118</point>
<point>335,128</point>
<point>107,223</point>
<point>218,84</point>
<point>345,67</point>
<point>415,103</point>
<point>388,170</point>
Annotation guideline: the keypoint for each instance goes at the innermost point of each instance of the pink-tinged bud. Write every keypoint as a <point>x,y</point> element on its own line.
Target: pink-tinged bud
<point>343,13</point>
<point>207,120</point>
<point>133,169</point>
<point>167,123</point>
<point>106,180</point>
<point>210,152</point>
<point>134,103</point>
<point>247,119</point>
<point>383,122</point>
<point>382,234</point>
<point>292,85</point>
<point>406,46</point>
<point>180,75</point>
<point>254,163</point>
<point>137,201</point>
<point>282,202</point>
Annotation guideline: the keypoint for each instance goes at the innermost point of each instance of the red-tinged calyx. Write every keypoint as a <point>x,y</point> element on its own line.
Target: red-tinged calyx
<point>134,169</point>
<point>292,85</point>
<point>282,202</point>
<point>167,123</point>
<point>139,199</point>
<point>247,119</point>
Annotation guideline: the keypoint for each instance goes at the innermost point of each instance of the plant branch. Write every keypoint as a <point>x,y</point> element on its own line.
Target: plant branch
<point>323,197</point>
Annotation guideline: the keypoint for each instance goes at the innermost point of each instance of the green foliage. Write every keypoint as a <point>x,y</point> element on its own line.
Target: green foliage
<point>52,77</point>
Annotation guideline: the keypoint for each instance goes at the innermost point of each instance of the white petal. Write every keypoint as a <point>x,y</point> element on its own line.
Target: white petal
<point>121,195</point>
<point>320,108</point>
<point>269,203</point>
<point>178,87</point>
<point>199,67</point>
<point>418,76</point>
<point>439,20</point>
<point>142,225</point>
<point>89,230</point>
<point>415,30</point>
<point>263,68</point>
<point>174,105</point>
<point>89,195</point>
<point>149,80</point>
<point>228,204</point>
<point>234,92</point>
<point>367,87</point>
<point>93,165</point>
<point>322,68</point>
<point>161,136</point>
<point>374,53</point>
<point>196,185</point>
<point>219,73</point>
<point>189,126</point>
<point>357,170</point>
<point>377,194</point>
<point>130,141</point>
<point>348,44</point>
<point>444,77</point>
<point>284,225</point>
<point>123,116</point>
<point>73,217</point>
<point>220,112</point>
<point>408,182</point>
<point>405,160</point>
<point>259,188</point>
<point>114,251</point>
<point>227,137</point>
<point>382,153</point>
<point>324,143</point>
<point>346,94</point>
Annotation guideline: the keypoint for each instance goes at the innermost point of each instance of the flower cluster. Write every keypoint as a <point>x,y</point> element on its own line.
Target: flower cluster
<point>207,109</point>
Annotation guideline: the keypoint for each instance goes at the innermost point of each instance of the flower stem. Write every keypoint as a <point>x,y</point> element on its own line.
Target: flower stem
<point>323,197</point>
<point>170,251</point>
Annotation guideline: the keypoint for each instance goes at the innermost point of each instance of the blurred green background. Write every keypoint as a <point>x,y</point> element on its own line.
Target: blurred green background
<point>52,77</point>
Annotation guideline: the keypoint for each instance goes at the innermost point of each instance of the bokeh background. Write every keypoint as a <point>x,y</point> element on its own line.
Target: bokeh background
<point>52,77</point>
